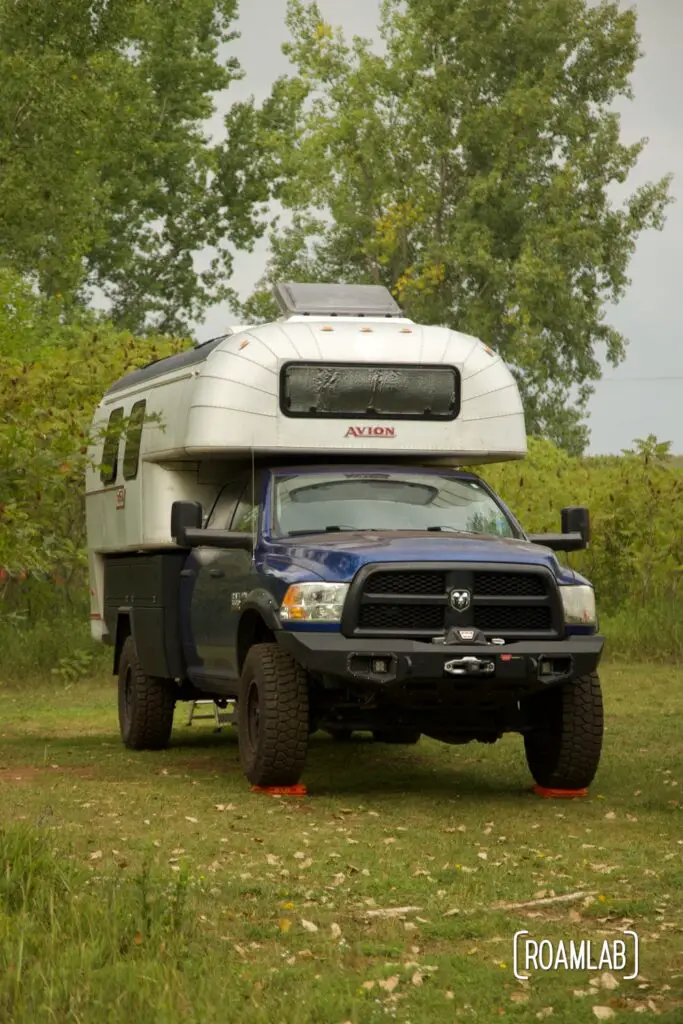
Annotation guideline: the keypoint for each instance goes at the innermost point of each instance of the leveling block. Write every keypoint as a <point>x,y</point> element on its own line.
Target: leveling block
<point>299,790</point>
<point>559,794</point>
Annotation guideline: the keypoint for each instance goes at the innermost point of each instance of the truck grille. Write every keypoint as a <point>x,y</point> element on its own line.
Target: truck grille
<point>512,603</point>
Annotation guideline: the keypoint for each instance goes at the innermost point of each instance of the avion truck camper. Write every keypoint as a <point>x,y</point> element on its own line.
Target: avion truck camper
<point>275,524</point>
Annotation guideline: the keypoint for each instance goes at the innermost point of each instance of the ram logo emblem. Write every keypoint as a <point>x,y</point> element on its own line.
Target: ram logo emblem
<point>459,600</point>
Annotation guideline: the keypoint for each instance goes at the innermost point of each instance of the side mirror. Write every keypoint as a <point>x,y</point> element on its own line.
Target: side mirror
<point>185,515</point>
<point>577,519</point>
<point>575,534</point>
<point>187,530</point>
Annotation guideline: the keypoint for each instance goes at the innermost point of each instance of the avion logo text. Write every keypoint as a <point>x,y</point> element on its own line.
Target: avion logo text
<point>371,432</point>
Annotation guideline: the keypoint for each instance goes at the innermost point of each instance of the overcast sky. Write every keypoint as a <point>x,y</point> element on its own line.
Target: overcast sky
<point>645,393</point>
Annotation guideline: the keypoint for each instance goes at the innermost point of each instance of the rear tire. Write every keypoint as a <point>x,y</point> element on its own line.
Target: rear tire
<point>405,737</point>
<point>563,749</point>
<point>146,704</point>
<point>273,717</point>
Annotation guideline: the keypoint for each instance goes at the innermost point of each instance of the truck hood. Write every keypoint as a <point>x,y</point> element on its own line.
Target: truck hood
<point>337,557</point>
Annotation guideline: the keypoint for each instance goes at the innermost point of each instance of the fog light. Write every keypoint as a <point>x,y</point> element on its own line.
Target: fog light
<point>380,666</point>
<point>546,668</point>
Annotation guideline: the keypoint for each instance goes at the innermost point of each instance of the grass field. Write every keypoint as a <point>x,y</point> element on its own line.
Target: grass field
<point>156,888</point>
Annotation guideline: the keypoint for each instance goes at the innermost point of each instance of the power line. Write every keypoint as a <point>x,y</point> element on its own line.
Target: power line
<point>635,380</point>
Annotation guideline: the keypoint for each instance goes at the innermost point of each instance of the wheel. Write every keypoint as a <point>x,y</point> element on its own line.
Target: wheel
<point>563,749</point>
<point>273,717</point>
<point>407,737</point>
<point>341,735</point>
<point>146,704</point>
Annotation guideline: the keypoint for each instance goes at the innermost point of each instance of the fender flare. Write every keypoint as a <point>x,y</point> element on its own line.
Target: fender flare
<point>263,602</point>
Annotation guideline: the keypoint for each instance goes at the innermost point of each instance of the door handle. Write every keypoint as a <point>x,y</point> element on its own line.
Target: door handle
<point>217,573</point>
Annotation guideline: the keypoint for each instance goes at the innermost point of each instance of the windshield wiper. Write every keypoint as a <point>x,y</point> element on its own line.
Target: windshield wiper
<point>325,529</point>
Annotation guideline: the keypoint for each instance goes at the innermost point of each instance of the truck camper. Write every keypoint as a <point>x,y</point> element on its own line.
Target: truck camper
<point>275,523</point>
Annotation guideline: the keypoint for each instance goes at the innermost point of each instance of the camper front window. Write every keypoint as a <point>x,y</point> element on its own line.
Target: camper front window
<point>310,502</point>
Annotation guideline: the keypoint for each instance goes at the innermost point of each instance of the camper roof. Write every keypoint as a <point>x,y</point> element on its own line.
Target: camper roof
<point>360,379</point>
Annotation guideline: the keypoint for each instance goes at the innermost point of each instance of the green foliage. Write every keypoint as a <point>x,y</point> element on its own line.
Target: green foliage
<point>469,168</point>
<point>635,558</point>
<point>108,179</point>
<point>52,374</point>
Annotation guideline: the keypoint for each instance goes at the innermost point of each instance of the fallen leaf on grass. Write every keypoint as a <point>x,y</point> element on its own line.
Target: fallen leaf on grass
<point>608,981</point>
<point>389,984</point>
<point>309,926</point>
<point>194,821</point>
<point>336,931</point>
<point>483,855</point>
<point>417,979</point>
<point>547,1011</point>
<point>367,985</point>
<point>225,807</point>
<point>603,1012</point>
<point>285,924</point>
<point>519,997</point>
<point>272,859</point>
<point>96,855</point>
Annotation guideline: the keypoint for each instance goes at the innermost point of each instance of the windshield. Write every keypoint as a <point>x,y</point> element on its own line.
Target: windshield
<point>337,501</point>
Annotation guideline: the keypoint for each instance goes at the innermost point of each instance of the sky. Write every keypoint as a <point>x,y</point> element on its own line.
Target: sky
<point>644,395</point>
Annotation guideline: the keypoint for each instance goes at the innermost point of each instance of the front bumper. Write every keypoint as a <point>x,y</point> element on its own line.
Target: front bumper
<point>527,665</point>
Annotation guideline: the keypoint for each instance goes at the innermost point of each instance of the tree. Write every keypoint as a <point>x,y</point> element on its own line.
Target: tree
<point>470,169</point>
<point>107,179</point>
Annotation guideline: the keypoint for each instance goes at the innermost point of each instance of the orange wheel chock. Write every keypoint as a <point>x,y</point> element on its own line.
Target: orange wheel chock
<point>299,790</point>
<point>559,794</point>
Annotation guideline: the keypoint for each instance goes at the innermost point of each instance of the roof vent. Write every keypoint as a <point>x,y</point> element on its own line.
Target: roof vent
<point>336,300</point>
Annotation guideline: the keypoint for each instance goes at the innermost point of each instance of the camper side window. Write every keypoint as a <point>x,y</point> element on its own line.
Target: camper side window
<point>110,450</point>
<point>131,455</point>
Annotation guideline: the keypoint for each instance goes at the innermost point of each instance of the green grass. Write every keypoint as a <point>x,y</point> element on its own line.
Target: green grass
<point>157,888</point>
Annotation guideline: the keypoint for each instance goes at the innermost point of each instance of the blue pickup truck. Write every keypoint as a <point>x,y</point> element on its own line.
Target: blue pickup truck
<point>397,601</point>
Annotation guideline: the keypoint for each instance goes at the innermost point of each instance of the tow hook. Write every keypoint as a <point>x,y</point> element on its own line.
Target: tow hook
<point>469,665</point>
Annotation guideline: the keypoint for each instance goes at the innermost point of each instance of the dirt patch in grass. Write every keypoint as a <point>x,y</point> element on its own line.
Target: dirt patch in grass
<point>30,774</point>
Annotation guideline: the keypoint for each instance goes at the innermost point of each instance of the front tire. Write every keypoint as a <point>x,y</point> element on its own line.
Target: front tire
<point>146,704</point>
<point>564,746</point>
<point>273,717</point>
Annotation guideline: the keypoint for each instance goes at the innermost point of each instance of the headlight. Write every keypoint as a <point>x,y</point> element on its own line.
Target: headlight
<point>579,605</point>
<point>314,602</point>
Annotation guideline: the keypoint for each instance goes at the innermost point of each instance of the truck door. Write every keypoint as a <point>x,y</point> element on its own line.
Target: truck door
<point>222,577</point>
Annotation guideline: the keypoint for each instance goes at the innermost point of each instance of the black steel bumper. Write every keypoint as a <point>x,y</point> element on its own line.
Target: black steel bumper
<point>376,664</point>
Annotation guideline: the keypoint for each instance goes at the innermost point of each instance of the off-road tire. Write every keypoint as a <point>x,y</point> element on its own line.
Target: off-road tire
<point>146,704</point>
<point>563,749</point>
<point>273,717</point>
<point>404,737</point>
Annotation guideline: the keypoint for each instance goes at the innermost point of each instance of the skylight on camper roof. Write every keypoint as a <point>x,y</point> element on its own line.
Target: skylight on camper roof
<point>336,300</point>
